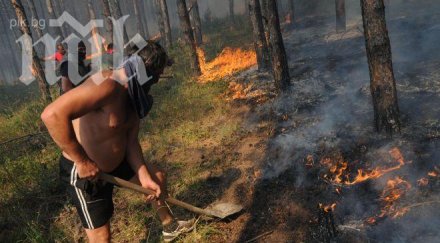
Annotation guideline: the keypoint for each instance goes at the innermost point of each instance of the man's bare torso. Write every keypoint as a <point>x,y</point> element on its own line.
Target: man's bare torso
<point>103,133</point>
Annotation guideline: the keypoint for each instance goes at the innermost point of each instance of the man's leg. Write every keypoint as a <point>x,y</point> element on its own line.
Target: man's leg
<point>172,228</point>
<point>93,202</point>
<point>99,235</point>
<point>159,205</point>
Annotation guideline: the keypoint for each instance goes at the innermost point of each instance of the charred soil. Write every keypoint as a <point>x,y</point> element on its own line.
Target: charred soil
<point>308,165</point>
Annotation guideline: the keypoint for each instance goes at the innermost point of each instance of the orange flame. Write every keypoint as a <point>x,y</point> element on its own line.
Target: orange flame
<point>328,208</point>
<point>228,62</point>
<point>423,181</point>
<point>371,220</point>
<point>341,175</point>
<point>433,173</point>
<point>310,161</point>
<point>394,190</point>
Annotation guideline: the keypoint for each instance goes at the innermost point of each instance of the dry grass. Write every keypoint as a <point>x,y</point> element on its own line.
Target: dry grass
<point>188,121</point>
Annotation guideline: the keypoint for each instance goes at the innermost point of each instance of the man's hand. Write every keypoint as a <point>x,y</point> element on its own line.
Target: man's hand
<point>87,169</point>
<point>152,185</point>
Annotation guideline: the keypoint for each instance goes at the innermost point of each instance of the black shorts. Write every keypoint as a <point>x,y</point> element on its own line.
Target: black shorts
<point>93,200</point>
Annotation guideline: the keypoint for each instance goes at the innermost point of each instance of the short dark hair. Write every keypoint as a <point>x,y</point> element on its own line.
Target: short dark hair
<point>60,46</point>
<point>154,56</point>
<point>110,46</point>
<point>82,47</point>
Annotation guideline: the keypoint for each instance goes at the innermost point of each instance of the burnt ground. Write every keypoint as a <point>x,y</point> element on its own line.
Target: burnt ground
<point>275,169</point>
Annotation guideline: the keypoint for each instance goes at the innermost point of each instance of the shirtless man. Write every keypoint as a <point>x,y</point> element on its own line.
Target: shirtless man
<point>97,127</point>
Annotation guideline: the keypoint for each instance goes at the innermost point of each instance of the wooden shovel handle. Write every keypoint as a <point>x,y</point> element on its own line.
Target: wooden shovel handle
<point>129,185</point>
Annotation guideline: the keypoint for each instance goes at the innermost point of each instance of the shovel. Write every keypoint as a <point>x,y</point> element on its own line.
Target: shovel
<point>220,210</point>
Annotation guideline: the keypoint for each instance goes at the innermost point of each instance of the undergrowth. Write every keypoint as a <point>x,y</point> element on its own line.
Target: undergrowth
<point>186,116</point>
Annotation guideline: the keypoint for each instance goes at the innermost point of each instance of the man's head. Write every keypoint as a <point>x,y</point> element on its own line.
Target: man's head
<point>155,59</point>
<point>61,49</point>
<point>82,51</point>
<point>110,48</point>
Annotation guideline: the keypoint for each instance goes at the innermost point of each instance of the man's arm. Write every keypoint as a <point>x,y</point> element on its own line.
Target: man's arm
<point>59,115</point>
<point>136,160</point>
<point>48,58</point>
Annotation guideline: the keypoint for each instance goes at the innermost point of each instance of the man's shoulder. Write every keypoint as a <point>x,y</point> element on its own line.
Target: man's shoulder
<point>104,85</point>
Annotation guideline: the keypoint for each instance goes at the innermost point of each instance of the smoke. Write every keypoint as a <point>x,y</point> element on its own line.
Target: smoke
<point>10,70</point>
<point>329,108</point>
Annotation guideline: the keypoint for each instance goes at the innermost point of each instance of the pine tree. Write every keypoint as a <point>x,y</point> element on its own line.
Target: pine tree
<point>382,82</point>
<point>166,23</point>
<point>279,59</point>
<point>340,15</point>
<point>258,30</point>
<point>116,12</point>
<point>54,15</point>
<point>291,11</point>
<point>195,16</point>
<point>139,22</point>
<point>231,10</point>
<point>36,66</point>
<point>109,24</point>
<point>188,35</point>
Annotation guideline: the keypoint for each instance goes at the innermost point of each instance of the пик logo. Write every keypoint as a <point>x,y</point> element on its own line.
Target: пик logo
<point>95,40</point>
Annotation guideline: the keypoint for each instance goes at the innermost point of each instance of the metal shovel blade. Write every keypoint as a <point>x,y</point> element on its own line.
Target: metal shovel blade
<point>223,210</point>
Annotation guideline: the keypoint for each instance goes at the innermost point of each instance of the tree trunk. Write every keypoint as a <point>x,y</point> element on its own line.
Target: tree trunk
<point>291,11</point>
<point>95,31</point>
<point>280,8</point>
<point>57,6</point>
<point>265,19</point>
<point>53,15</point>
<point>166,23</point>
<point>246,3</point>
<point>195,15</point>
<point>116,12</point>
<point>185,25</point>
<point>36,66</point>
<point>160,21</point>
<point>139,23</point>
<point>109,24</point>
<point>10,39</point>
<point>8,68</point>
<point>340,15</point>
<point>382,82</point>
<point>263,5</point>
<point>279,59</point>
<point>259,39</point>
<point>231,10</point>
<point>36,28</point>
<point>143,17</point>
